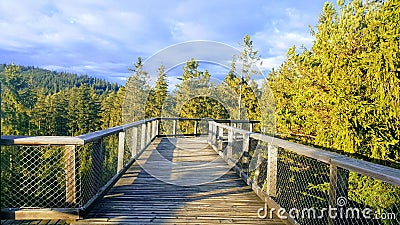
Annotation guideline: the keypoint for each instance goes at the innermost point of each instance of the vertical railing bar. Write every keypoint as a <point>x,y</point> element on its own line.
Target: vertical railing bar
<point>121,150</point>
<point>272,169</point>
<point>143,136</point>
<point>333,178</point>
<point>70,175</point>
<point>230,144</point>
<point>134,141</point>
<point>174,128</point>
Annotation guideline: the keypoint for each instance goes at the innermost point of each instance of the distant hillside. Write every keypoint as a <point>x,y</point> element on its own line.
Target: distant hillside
<point>52,81</point>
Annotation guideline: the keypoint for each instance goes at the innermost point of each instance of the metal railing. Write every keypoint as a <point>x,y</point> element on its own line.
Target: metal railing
<point>62,177</point>
<point>306,185</point>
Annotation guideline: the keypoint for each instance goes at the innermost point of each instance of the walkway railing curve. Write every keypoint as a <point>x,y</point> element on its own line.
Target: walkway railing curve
<point>307,185</point>
<point>62,177</point>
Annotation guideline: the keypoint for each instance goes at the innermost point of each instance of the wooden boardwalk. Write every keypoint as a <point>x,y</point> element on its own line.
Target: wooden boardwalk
<point>179,181</point>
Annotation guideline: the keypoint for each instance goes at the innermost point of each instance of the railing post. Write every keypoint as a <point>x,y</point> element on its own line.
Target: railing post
<point>210,133</point>
<point>148,134</point>
<point>333,175</point>
<point>220,137</point>
<point>121,150</point>
<point>195,127</point>
<point>70,175</point>
<point>154,128</point>
<point>134,141</point>
<point>246,147</point>
<point>272,169</point>
<point>174,128</point>
<point>158,127</point>
<point>143,138</point>
<point>251,127</point>
<point>214,129</point>
<point>230,144</point>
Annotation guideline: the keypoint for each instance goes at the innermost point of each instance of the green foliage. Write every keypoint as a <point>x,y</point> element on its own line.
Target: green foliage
<point>344,92</point>
<point>157,96</point>
<point>240,80</point>
<point>52,81</point>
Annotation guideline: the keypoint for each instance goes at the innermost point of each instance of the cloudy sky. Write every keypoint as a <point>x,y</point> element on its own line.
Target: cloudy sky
<point>104,37</point>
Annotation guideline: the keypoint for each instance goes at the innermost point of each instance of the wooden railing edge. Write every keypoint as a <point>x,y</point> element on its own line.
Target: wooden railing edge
<point>387,174</point>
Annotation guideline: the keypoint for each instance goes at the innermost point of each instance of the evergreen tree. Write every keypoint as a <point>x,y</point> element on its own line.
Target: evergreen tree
<point>157,95</point>
<point>137,92</point>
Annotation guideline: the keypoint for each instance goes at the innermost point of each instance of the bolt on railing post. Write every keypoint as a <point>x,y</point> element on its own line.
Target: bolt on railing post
<point>70,175</point>
<point>121,150</point>
<point>195,127</point>
<point>246,147</point>
<point>272,169</point>
<point>143,136</point>
<point>134,141</point>
<point>174,128</point>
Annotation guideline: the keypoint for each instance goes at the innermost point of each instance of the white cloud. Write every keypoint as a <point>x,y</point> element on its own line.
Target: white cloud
<point>107,36</point>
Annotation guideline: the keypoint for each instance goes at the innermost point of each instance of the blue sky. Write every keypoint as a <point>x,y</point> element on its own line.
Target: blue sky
<point>103,38</point>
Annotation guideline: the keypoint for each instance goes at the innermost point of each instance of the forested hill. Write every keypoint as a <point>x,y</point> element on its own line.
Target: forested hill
<point>52,81</point>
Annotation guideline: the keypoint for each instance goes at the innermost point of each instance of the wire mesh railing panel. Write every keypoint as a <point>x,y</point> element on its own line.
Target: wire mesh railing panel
<point>365,200</point>
<point>237,149</point>
<point>35,176</point>
<point>97,165</point>
<point>302,183</point>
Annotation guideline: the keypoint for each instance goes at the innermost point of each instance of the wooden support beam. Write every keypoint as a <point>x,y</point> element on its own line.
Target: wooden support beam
<point>70,175</point>
<point>229,147</point>
<point>143,136</point>
<point>174,128</point>
<point>148,135</point>
<point>195,127</point>
<point>134,143</point>
<point>272,169</point>
<point>332,189</point>
<point>121,150</point>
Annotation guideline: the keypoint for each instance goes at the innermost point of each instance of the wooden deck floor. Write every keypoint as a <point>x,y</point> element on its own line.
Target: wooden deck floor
<point>179,181</point>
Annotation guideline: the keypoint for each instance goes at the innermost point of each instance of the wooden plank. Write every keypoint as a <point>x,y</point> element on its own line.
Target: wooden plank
<point>40,140</point>
<point>140,197</point>
<point>43,214</point>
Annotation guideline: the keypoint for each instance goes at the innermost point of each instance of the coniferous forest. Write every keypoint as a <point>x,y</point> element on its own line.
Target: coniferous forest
<point>342,94</point>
